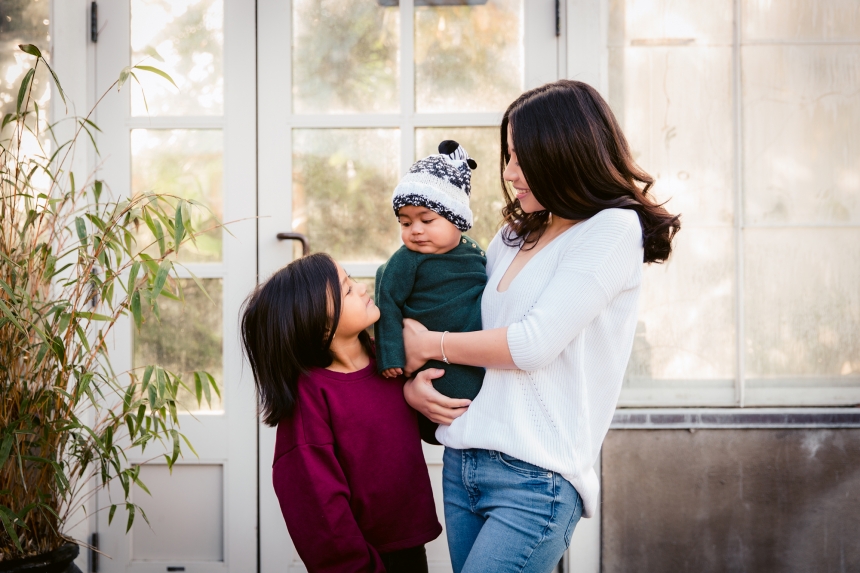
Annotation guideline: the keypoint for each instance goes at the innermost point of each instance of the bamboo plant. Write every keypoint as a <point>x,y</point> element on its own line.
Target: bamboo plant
<point>71,267</point>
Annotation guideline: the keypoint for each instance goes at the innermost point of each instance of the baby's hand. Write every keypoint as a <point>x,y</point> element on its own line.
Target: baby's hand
<point>392,372</point>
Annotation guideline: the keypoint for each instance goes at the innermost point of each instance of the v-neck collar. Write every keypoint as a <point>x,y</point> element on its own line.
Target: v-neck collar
<point>510,261</point>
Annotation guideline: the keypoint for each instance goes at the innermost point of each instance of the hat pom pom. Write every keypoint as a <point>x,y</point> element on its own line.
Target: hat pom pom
<point>455,151</point>
<point>448,147</point>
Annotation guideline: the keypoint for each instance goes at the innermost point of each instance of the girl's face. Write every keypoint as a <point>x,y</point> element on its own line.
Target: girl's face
<point>357,310</point>
<point>514,174</point>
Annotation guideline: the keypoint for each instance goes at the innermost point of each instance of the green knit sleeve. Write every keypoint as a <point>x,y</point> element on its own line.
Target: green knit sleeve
<point>394,282</point>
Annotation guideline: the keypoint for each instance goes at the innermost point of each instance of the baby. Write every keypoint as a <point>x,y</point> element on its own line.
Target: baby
<point>437,277</point>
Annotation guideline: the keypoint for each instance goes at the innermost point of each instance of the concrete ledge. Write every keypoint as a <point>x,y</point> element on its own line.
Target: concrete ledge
<point>703,418</point>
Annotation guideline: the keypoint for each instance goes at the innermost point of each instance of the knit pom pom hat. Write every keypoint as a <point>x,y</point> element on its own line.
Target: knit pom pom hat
<point>442,183</point>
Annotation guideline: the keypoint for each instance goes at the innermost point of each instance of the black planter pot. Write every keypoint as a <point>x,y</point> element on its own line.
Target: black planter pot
<point>56,561</point>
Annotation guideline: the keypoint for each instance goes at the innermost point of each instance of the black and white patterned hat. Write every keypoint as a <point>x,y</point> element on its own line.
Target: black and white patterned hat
<point>442,183</point>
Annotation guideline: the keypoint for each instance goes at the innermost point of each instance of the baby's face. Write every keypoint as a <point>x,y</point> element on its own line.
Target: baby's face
<point>425,231</point>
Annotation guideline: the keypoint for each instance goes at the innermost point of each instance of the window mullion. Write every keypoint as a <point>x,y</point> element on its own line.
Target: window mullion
<point>407,84</point>
<point>737,93</point>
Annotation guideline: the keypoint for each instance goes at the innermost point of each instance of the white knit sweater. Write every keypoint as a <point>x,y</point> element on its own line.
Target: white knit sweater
<point>571,316</point>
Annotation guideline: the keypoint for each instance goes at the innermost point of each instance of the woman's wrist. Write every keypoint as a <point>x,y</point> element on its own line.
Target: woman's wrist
<point>433,349</point>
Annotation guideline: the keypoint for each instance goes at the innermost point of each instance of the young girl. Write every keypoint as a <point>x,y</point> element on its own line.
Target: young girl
<point>349,470</point>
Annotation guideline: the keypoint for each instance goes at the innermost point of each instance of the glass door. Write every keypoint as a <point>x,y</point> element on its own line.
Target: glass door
<point>195,140</point>
<point>350,93</point>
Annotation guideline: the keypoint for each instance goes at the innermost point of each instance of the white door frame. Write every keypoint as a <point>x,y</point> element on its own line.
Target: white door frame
<point>544,59</point>
<point>227,439</point>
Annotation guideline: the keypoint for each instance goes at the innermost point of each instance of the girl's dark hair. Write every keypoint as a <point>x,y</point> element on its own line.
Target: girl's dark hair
<point>287,325</point>
<point>577,162</point>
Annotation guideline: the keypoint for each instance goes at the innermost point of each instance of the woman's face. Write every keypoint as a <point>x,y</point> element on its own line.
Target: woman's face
<point>515,176</point>
<point>357,310</point>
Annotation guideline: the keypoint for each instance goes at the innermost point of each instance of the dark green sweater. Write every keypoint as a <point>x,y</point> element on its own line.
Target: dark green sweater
<point>442,292</point>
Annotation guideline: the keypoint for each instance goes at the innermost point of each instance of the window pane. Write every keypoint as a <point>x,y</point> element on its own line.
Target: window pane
<point>186,163</point>
<point>342,185</point>
<point>345,56</point>
<point>801,19</point>
<point>23,23</point>
<point>468,58</point>
<point>675,107</point>
<point>660,22</point>
<point>801,147</point>
<point>483,145</point>
<point>185,38</point>
<point>188,338</point>
<point>802,307</point>
<point>684,350</point>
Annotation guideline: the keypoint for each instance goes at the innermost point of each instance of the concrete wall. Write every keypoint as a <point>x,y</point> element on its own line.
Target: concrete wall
<point>731,500</point>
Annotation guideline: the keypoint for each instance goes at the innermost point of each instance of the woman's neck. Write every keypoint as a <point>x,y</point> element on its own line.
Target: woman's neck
<point>555,227</point>
<point>349,355</point>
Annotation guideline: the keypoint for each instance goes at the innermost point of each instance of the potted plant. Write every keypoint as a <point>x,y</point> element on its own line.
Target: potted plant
<point>70,267</point>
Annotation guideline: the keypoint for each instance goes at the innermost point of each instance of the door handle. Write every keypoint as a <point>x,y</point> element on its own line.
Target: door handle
<point>306,246</point>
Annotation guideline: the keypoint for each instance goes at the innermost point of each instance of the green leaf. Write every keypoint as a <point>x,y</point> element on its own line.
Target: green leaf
<point>175,435</point>
<point>130,508</point>
<point>25,83</point>
<point>140,484</point>
<point>30,49</point>
<point>111,512</point>
<point>153,53</point>
<point>178,227</point>
<point>159,236</point>
<point>97,189</point>
<point>56,81</point>
<point>6,448</point>
<point>197,282</point>
<point>214,384</point>
<point>8,312</point>
<point>198,388</point>
<point>94,316</point>
<point>207,391</point>
<point>161,278</point>
<point>132,275</point>
<point>123,76</point>
<point>159,72</point>
<point>7,119</point>
<point>81,228</point>
<point>135,309</point>
<point>10,529</point>
<point>188,443</point>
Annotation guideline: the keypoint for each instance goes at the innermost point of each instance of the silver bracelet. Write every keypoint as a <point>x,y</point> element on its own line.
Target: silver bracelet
<point>442,347</point>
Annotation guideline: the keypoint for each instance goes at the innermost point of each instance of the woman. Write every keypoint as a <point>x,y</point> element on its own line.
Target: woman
<point>559,314</point>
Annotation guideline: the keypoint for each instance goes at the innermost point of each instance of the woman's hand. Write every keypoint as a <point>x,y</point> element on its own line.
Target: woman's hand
<point>416,340</point>
<point>423,397</point>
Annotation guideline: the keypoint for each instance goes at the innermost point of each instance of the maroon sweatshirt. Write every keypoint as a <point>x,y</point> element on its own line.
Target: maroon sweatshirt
<point>350,474</point>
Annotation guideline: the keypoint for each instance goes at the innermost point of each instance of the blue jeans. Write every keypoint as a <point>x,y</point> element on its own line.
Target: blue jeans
<point>505,515</point>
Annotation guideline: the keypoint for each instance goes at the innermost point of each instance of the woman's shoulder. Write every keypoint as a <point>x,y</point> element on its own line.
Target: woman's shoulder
<point>616,219</point>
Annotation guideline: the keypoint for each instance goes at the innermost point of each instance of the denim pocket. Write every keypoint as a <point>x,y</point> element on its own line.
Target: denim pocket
<point>523,468</point>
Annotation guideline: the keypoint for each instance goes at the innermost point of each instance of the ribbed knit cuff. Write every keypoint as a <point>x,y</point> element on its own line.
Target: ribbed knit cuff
<point>518,345</point>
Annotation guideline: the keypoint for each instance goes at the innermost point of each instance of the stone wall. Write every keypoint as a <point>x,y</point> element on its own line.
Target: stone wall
<point>731,500</point>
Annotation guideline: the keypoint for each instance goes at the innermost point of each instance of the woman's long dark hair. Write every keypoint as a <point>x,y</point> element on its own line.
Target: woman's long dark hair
<point>288,323</point>
<point>576,162</point>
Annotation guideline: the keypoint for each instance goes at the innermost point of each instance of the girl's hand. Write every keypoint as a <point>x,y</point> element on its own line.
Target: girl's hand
<point>392,372</point>
<point>423,397</point>
<point>416,340</point>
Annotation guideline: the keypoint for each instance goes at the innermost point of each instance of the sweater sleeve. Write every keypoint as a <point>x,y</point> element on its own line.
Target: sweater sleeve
<point>589,276</point>
<point>394,283</point>
<point>314,497</point>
